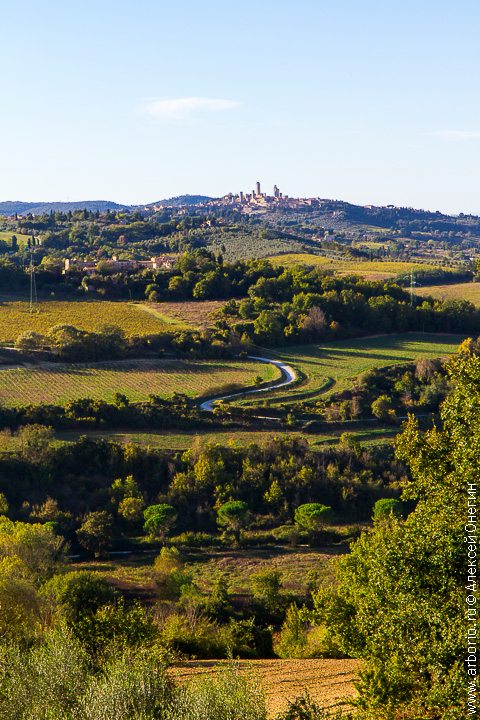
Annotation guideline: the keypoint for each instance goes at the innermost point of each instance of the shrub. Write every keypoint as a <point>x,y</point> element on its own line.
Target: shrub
<point>245,639</point>
<point>228,696</point>
<point>170,574</point>
<point>387,506</point>
<point>19,600</point>
<point>305,708</point>
<point>116,626</point>
<point>289,534</point>
<point>94,612</point>
<point>292,639</point>
<point>218,604</point>
<point>78,594</point>
<point>382,408</point>
<point>45,682</point>
<point>37,546</point>
<point>194,539</point>
<point>266,586</point>
<point>131,686</point>
<point>56,680</point>
<point>193,634</point>
<point>233,516</point>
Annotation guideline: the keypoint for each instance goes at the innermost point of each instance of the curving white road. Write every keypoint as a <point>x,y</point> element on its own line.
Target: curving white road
<point>288,376</point>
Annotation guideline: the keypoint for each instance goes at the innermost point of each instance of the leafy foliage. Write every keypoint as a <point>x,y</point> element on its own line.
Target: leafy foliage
<point>400,600</point>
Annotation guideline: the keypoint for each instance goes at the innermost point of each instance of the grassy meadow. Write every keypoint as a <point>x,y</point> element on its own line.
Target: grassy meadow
<point>332,367</point>
<point>135,572</point>
<point>6,236</point>
<point>374,270</point>
<point>457,291</point>
<point>61,383</point>
<point>368,434</point>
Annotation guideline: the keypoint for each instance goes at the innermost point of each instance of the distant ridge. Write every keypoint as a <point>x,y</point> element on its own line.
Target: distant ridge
<point>181,200</point>
<point>10,207</point>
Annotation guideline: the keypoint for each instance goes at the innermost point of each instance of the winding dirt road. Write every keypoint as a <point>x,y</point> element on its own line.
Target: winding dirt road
<point>288,377</point>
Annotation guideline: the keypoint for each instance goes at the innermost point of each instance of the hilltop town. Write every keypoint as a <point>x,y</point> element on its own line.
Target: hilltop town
<point>257,200</point>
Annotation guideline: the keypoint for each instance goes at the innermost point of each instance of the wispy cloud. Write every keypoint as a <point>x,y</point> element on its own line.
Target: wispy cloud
<point>181,108</point>
<point>456,135</point>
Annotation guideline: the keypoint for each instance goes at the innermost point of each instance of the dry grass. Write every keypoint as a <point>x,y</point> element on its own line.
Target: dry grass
<point>238,565</point>
<point>193,314</point>
<point>459,291</point>
<point>329,682</point>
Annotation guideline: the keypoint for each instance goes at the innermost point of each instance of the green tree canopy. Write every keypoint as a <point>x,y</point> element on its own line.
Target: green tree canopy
<point>78,593</point>
<point>386,507</point>
<point>233,516</point>
<point>37,546</point>
<point>312,517</point>
<point>95,533</point>
<point>159,520</point>
<point>401,600</point>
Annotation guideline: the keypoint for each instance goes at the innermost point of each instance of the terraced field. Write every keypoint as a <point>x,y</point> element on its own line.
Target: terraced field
<point>375,270</point>
<point>61,383</point>
<point>15,317</point>
<point>332,367</point>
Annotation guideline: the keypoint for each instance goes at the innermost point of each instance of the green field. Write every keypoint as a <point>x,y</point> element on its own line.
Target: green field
<point>61,383</point>
<point>179,441</point>
<point>458,291</point>
<point>369,435</point>
<point>332,367</point>
<point>133,318</point>
<point>6,236</point>
<point>375,270</point>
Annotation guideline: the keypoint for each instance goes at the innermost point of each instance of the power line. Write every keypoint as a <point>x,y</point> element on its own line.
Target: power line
<point>33,286</point>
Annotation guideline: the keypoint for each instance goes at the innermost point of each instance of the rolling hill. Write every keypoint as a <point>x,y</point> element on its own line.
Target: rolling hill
<point>10,207</point>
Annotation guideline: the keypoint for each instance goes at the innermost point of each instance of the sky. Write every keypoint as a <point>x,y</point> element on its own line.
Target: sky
<point>137,100</point>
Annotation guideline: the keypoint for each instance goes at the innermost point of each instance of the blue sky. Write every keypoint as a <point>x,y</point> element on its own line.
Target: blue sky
<point>371,102</point>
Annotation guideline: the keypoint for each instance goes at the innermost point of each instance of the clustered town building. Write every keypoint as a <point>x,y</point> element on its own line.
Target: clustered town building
<point>258,200</point>
<point>253,202</point>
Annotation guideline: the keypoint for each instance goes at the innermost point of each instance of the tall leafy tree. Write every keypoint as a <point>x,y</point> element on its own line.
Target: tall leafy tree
<point>401,599</point>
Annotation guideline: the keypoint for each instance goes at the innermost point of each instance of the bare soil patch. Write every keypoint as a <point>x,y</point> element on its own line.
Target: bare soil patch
<point>329,682</point>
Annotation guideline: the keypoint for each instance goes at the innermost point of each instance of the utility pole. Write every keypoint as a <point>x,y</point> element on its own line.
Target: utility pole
<point>33,285</point>
<point>412,285</point>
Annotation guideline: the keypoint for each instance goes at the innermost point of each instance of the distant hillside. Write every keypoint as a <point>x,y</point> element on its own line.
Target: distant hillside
<point>182,200</point>
<point>38,208</point>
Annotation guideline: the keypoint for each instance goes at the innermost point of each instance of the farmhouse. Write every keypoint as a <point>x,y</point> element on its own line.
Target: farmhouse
<point>161,262</point>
